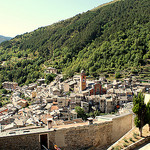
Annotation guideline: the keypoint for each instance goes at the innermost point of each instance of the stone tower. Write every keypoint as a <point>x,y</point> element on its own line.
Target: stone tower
<point>82,81</point>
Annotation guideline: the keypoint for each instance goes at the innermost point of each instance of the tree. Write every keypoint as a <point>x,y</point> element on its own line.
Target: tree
<point>1,104</point>
<point>148,114</point>
<point>117,75</point>
<point>4,91</point>
<point>80,112</point>
<point>139,108</point>
<point>96,113</point>
<point>49,78</point>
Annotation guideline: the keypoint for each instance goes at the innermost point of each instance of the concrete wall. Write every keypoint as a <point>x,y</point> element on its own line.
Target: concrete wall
<point>73,138</point>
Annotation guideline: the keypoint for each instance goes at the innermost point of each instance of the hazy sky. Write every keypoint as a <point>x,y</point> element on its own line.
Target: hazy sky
<point>20,16</point>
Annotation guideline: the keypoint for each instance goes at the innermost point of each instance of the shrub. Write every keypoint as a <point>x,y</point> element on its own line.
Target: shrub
<point>4,91</point>
<point>135,135</point>
<point>117,75</point>
<point>124,144</point>
<point>126,140</point>
<point>131,140</point>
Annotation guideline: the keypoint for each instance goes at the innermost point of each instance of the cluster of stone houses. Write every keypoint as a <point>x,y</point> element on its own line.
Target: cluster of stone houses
<point>59,99</point>
<point>9,85</point>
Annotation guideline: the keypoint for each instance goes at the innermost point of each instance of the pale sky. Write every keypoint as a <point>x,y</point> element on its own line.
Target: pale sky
<point>20,16</point>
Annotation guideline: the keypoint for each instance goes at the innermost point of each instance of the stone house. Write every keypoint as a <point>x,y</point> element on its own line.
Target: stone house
<point>129,94</point>
<point>85,106</point>
<point>49,99</point>
<point>66,87</point>
<point>62,101</point>
<point>9,85</point>
<point>56,91</point>
<point>147,87</point>
<point>40,81</point>
<point>28,93</point>
<point>20,122</point>
<point>116,84</point>
<point>32,86</point>
<point>3,109</point>
<point>51,70</point>
<point>22,103</point>
<point>66,114</point>
<point>138,89</point>
<point>127,81</point>
<point>102,105</point>
<point>76,88</point>
<point>120,92</point>
<point>105,103</point>
<point>123,99</point>
<point>69,85</point>
<point>5,120</point>
<point>75,100</point>
<point>76,78</point>
<point>73,86</point>
<point>110,105</point>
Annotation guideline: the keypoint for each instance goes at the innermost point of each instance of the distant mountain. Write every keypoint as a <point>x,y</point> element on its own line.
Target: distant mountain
<point>108,39</point>
<point>4,38</point>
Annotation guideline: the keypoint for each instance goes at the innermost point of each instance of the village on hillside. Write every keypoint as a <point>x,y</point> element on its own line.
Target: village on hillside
<point>35,104</point>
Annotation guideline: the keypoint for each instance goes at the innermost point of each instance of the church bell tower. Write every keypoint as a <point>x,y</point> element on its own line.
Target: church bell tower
<point>82,81</point>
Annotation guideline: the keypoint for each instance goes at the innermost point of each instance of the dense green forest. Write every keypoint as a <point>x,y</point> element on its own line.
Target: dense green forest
<point>112,38</point>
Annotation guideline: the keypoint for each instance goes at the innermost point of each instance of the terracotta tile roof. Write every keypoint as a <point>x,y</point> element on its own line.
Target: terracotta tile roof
<point>54,108</point>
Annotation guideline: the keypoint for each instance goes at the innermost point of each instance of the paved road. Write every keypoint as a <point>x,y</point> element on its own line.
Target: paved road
<point>145,146</point>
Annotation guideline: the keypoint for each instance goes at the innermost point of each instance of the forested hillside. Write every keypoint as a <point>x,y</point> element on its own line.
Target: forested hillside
<point>112,38</point>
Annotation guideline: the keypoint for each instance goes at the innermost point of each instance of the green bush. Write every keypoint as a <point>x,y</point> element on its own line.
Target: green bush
<point>117,75</point>
<point>135,135</point>
<point>131,140</point>
<point>125,145</point>
<point>126,140</point>
<point>4,91</point>
<point>80,112</point>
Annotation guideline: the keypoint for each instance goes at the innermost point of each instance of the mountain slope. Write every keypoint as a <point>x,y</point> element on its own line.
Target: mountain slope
<point>113,1</point>
<point>114,37</point>
<point>3,38</point>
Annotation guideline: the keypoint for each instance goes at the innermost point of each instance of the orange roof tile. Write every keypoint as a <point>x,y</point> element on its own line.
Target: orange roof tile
<point>54,108</point>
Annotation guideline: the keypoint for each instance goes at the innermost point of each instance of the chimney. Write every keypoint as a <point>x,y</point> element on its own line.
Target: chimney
<point>49,123</point>
<point>90,120</point>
